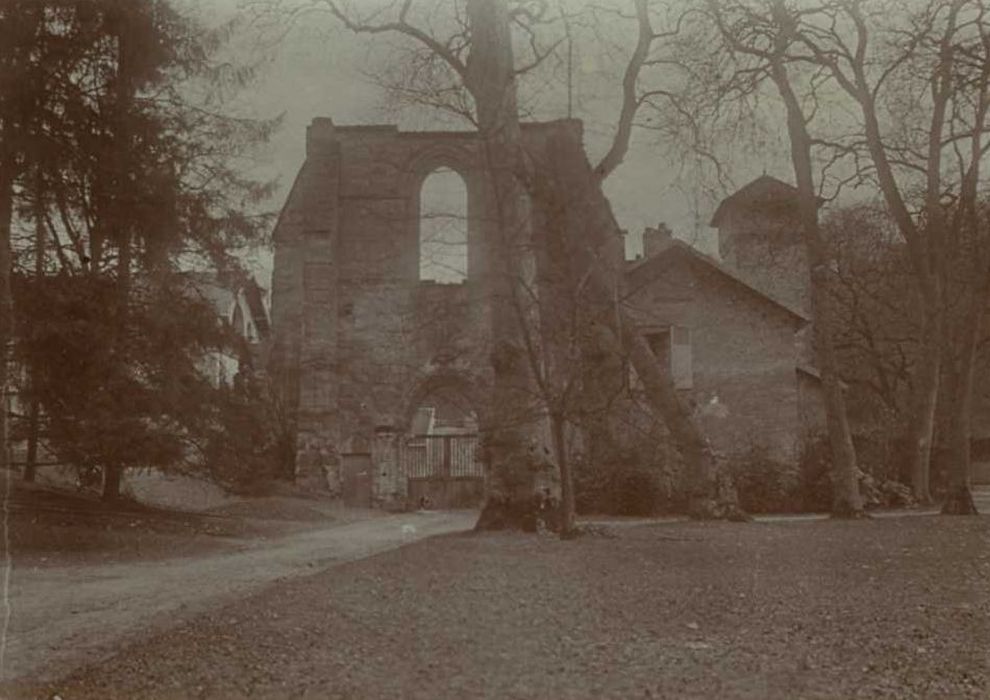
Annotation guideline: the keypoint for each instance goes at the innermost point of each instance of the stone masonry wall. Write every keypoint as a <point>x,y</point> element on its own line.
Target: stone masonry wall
<point>769,253</point>
<point>357,335</point>
<point>743,356</point>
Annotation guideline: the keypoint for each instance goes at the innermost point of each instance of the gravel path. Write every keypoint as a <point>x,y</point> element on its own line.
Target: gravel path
<point>67,616</point>
<point>869,609</point>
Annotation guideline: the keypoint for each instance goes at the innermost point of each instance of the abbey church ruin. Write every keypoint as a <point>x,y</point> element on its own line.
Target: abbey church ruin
<point>386,371</point>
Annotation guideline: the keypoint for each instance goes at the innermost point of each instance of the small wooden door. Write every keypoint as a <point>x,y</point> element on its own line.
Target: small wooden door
<point>355,480</point>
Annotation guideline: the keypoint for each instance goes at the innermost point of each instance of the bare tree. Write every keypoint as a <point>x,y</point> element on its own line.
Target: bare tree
<point>924,66</point>
<point>931,68</point>
<point>762,35</point>
<point>878,337</point>
<point>485,68</point>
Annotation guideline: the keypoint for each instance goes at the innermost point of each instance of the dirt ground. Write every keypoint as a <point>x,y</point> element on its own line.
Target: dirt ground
<point>887,608</point>
<point>84,578</point>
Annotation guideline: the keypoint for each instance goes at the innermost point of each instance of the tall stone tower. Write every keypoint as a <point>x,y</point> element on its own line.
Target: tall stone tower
<point>759,238</point>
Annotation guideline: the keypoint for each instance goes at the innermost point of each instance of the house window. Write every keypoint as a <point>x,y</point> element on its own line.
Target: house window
<point>443,228</point>
<point>238,320</point>
<point>659,342</point>
<point>672,348</point>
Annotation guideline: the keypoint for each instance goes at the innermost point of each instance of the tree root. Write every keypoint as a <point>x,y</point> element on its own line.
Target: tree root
<point>843,510</point>
<point>589,530</point>
<point>521,514</point>
<point>710,509</point>
<point>959,501</point>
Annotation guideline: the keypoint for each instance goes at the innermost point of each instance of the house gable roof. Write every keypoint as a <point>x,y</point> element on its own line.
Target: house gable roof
<point>224,298</point>
<point>254,295</point>
<point>678,250</point>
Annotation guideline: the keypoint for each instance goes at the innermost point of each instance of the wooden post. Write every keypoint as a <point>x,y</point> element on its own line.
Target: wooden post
<point>447,444</point>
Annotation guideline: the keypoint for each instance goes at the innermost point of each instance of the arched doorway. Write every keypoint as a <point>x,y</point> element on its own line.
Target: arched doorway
<point>439,452</point>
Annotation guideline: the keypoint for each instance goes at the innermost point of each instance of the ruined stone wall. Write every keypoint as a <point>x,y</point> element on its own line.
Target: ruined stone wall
<point>357,335</point>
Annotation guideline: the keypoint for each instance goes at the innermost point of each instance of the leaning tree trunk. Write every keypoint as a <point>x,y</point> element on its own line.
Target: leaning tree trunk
<point>691,443</point>
<point>515,436</point>
<point>583,212</point>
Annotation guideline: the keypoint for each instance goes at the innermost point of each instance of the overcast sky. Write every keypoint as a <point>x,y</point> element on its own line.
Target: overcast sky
<point>318,69</point>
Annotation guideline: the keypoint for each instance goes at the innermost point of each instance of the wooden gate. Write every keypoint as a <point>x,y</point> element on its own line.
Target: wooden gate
<point>444,469</point>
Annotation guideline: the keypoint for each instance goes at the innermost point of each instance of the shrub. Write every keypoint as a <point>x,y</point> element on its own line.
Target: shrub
<point>591,485</point>
<point>815,474</point>
<point>113,400</point>
<point>894,494</point>
<point>815,488</point>
<point>248,444</point>
<point>636,491</point>
<point>885,493</point>
<point>625,485</point>
<point>763,484</point>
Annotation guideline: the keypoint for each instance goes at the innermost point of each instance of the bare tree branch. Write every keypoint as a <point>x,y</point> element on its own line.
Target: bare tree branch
<point>630,103</point>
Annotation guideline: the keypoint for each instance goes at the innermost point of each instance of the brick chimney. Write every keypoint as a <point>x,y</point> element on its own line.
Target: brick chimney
<point>656,239</point>
<point>319,135</point>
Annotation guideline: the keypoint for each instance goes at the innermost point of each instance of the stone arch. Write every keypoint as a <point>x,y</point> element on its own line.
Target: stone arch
<point>459,382</point>
<point>449,150</point>
<point>356,443</point>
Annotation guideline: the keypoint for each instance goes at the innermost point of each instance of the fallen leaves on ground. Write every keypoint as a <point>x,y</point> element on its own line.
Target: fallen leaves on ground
<point>893,608</point>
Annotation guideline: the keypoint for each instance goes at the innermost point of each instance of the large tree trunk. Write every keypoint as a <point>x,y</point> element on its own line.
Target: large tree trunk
<point>921,431</point>
<point>34,408</point>
<point>566,519</point>
<point>515,436</point>
<point>33,430</point>
<point>959,496</point>
<point>846,500</point>
<point>114,214</point>
<point>112,474</point>
<point>6,305</point>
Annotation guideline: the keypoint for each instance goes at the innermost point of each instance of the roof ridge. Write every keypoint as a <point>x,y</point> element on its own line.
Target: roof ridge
<point>677,244</point>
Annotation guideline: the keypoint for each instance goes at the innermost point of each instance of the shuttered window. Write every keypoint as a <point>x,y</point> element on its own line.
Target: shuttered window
<point>672,348</point>
<point>680,358</point>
